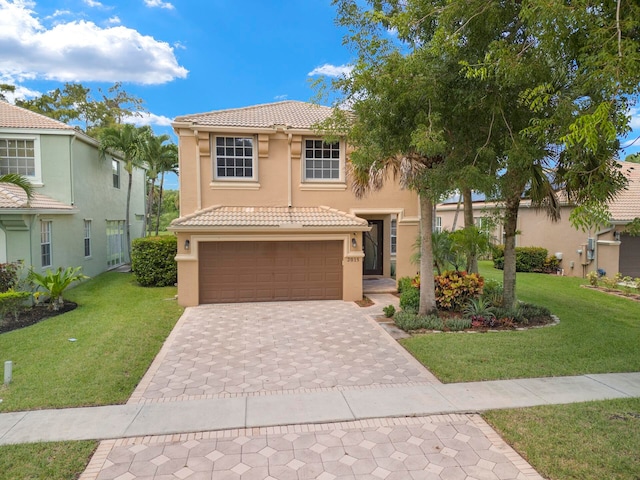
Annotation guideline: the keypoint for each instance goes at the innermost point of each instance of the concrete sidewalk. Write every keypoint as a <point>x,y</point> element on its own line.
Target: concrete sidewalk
<point>188,416</point>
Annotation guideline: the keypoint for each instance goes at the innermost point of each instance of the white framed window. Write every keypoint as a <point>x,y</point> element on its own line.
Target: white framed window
<point>45,243</point>
<point>394,235</point>
<point>115,243</point>
<point>234,159</point>
<point>87,238</point>
<point>438,225</point>
<point>115,169</point>
<point>323,162</point>
<point>20,154</point>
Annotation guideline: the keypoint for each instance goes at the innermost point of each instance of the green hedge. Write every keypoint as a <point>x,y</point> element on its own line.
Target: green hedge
<point>528,259</point>
<point>153,261</point>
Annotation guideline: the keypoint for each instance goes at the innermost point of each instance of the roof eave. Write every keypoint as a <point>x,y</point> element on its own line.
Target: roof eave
<point>268,229</point>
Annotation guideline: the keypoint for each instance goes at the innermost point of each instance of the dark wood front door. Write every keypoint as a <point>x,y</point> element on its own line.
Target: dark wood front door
<point>373,251</point>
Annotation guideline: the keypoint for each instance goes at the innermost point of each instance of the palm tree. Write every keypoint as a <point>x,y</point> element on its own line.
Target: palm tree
<point>159,158</point>
<point>129,142</point>
<point>19,181</point>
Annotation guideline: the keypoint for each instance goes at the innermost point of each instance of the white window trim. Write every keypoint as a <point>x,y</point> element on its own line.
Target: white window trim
<point>309,182</point>
<point>36,180</point>
<point>87,221</point>
<point>393,246</point>
<point>50,242</point>
<point>217,181</point>
<point>119,173</point>
<point>438,225</point>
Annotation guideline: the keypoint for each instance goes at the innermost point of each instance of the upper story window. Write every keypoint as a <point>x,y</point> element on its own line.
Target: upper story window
<point>18,155</point>
<point>234,158</point>
<point>115,168</point>
<point>322,161</point>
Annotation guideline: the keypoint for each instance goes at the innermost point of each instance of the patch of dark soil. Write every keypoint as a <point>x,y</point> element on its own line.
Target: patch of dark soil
<point>33,315</point>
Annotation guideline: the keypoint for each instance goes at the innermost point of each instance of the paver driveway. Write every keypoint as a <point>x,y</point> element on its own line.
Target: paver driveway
<point>281,347</point>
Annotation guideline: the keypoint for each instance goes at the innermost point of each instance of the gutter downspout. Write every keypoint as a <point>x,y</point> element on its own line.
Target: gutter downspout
<point>198,173</point>
<point>71,165</point>
<point>595,253</point>
<point>289,175</point>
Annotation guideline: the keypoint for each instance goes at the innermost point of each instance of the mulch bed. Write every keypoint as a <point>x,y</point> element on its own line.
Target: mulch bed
<point>33,315</point>
<point>618,293</point>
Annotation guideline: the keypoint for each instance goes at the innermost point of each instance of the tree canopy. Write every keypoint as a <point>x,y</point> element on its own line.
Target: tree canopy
<point>513,97</point>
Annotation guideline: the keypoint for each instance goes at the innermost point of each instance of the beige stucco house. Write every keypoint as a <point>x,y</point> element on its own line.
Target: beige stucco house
<point>609,249</point>
<point>267,212</point>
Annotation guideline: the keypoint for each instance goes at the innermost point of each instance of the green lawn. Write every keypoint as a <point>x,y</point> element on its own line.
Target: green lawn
<point>119,328</point>
<point>597,333</point>
<point>582,441</point>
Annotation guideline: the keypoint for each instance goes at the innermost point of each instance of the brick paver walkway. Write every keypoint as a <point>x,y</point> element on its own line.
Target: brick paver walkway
<point>448,447</point>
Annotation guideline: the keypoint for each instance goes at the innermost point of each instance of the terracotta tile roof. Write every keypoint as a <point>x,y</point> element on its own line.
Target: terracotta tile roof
<point>17,117</point>
<point>291,113</point>
<point>626,205</point>
<point>13,197</point>
<point>220,216</point>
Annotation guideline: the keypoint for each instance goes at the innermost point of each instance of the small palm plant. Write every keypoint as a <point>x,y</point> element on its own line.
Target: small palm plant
<point>480,311</point>
<point>55,283</point>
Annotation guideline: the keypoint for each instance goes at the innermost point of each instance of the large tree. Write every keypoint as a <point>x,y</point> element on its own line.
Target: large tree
<point>128,141</point>
<point>550,83</point>
<point>76,103</point>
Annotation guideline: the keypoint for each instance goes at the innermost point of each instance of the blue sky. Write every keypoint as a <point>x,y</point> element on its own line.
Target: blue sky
<point>179,56</point>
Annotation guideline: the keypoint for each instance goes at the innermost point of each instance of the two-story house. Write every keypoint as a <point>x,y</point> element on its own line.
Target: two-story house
<point>267,211</point>
<point>76,217</point>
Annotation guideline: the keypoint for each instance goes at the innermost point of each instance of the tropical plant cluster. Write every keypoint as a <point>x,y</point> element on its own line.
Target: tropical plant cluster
<point>619,283</point>
<point>465,302</point>
<point>153,261</point>
<point>528,259</point>
<point>18,292</point>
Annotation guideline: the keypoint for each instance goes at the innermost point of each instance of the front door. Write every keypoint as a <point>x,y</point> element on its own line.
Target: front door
<point>373,249</point>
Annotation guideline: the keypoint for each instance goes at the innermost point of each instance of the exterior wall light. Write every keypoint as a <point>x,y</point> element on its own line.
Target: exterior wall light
<point>354,242</point>
<point>187,244</point>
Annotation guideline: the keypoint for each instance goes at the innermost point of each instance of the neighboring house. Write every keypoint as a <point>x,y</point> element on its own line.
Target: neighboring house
<point>76,217</point>
<point>267,211</point>
<point>609,248</point>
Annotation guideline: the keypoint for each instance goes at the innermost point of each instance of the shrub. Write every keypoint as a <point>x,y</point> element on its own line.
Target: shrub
<point>455,289</point>
<point>457,324</point>
<point>9,275</point>
<point>404,283</point>
<point>11,303</point>
<point>389,311</point>
<point>551,264</point>
<point>528,259</point>
<point>593,278</point>
<point>492,292</point>
<point>410,299</point>
<point>408,321</point>
<point>611,283</point>
<point>528,312</point>
<point>55,283</point>
<point>153,261</point>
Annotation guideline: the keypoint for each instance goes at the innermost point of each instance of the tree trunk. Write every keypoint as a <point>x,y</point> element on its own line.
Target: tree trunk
<point>427,287</point>
<point>509,273</point>
<point>472,260</point>
<point>455,217</point>
<point>127,216</point>
<point>159,212</point>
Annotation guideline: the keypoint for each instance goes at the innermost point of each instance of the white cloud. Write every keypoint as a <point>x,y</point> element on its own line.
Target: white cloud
<point>148,119</point>
<point>158,3</point>
<point>115,20</point>
<point>80,50</point>
<point>93,3</point>
<point>331,70</point>
<point>635,118</point>
<point>281,97</point>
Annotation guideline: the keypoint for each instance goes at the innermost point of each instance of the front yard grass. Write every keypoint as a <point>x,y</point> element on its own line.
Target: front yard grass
<point>582,441</point>
<point>598,333</point>
<point>119,328</point>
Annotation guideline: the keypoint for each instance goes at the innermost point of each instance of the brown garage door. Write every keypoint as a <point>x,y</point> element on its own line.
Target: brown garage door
<point>630,256</point>
<point>270,271</point>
